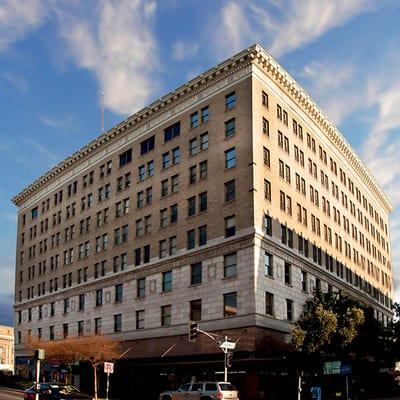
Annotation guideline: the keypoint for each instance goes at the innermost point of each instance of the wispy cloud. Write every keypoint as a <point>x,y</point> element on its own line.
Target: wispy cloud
<point>44,151</point>
<point>55,122</point>
<point>18,18</point>
<point>182,50</point>
<point>16,80</point>
<point>282,25</point>
<point>115,42</point>
<point>328,83</point>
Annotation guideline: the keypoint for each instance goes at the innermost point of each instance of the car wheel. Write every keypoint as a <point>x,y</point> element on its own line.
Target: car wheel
<point>166,398</point>
<point>205,398</point>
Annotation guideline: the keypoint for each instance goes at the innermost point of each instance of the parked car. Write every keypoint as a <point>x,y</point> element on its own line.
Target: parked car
<point>202,391</point>
<point>55,391</point>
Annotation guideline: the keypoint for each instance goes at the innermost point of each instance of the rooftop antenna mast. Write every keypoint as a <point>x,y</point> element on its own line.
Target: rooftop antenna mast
<point>102,111</point>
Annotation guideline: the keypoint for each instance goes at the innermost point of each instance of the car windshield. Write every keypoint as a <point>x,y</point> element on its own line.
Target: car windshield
<point>227,386</point>
<point>65,389</point>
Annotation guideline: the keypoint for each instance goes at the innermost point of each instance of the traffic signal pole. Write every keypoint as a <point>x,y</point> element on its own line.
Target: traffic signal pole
<point>224,345</point>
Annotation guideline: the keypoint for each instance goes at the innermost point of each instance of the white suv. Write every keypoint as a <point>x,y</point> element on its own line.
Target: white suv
<point>202,391</point>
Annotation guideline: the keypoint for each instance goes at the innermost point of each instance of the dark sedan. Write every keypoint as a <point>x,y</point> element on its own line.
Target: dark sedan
<point>56,391</point>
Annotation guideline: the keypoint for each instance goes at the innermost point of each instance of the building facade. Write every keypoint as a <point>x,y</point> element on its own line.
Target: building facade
<point>228,201</point>
<point>6,348</point>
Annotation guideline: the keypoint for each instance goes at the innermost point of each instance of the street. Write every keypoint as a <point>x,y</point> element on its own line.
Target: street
<point>10,394</point>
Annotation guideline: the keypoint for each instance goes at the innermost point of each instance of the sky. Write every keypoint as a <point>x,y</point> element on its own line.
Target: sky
<point>57,56</point>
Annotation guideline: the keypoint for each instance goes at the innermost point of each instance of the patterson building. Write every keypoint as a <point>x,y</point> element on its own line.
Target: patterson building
<point>227,201</point>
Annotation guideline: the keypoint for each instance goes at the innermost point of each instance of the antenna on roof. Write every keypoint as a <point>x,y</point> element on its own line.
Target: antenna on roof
<point>102,111</point>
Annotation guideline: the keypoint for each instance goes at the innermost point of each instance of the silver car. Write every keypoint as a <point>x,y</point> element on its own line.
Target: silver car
<point>202,391</point>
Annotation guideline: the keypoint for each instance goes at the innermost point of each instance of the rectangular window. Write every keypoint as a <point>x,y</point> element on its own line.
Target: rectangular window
<point>99,297</point>
<point>196,273</point>
<point>267,157</point>
<point>230,265</point>
<point>205,114</point>
<point>203,235</point>
<point>167,281</point>
<point>264,99</point>
<point>172,131</point>
<point>191,204</point>
<point>118,293</point>
<point>304,283</point>
<point>165,160</point>
<point>166,315</point>
<point>163,248</point>
<point>193,147</point>
<point>230,192</point>
<point>265,127</point>
<point>176,156</point>
<point>269,303</point>
<point>117,322</point>
<point>125,157</point>
<point>97,326</point>
<point>267,190</point>
<point>192,174</point>
<point>203,169</point>
<point>268,264</point>
<point>80,328</point>
<point>81,304</point>
<point>141,288</point>
<point>230,127</point>
<point>230,158</point>
<point>140,319</point>
<point>230,100</point>
<point>194,120</point>
<point>190,242</point>
<point>203,202</point>
<point>288,273</point>
<point>147,145</point>
<point>204,141</point>
<point>268,225</point>
<point>230,304</point>
<point>230,226</point>
<point>195,310</point>
<point>289,310</point>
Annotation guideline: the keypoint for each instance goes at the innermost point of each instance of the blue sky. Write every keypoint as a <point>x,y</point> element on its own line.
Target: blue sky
<point>56,57</point>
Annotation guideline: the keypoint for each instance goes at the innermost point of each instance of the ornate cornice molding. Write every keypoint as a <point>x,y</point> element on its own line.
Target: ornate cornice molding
<point>144,120</point>
<point>281,77</point>
<point>193,91</point>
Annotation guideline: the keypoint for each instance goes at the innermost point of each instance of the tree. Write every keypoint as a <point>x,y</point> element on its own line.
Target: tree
<point>94,349</point>
<point>328,324</point>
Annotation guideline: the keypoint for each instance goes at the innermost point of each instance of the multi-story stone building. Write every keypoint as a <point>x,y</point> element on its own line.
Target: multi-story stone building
<point>227,201</point>
<point>6,348</point>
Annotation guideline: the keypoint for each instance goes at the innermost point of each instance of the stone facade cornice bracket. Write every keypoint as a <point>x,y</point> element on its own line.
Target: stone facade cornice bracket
<point>296,92</point>
<point>165,103</point>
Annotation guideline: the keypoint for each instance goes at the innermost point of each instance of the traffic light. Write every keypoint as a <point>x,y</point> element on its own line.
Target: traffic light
<point>192,331</point>
<point>229,357</point>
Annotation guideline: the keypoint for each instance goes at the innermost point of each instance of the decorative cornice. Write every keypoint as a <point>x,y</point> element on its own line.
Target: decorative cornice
<point>143,119</point>
<point>281,77</point>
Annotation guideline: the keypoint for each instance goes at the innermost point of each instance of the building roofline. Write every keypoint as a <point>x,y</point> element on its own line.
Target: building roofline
<point>255,54</point>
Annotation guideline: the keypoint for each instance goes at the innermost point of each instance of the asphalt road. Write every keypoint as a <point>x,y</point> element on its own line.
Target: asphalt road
<point>10,394</point>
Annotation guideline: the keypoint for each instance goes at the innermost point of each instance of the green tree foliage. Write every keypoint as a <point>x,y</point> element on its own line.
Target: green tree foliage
<point>329,324</point>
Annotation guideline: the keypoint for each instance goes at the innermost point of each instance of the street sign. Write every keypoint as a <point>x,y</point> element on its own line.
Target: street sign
<point>109,368</point>
<point>227,345</point>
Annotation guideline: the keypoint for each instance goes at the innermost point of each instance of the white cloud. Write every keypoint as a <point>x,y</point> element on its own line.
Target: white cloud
<point>116,43</point>
<point>306,20</point>
<point>44,151</point>
<point>182,50</point>
<point>54,122</point>
<point>17,81</point>
<point>18,18</point>
<point>284,25</point>
<point>329,84</point>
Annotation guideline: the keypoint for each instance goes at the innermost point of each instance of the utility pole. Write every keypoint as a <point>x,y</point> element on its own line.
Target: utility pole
<point>39,356</point>
<point>102,111</point>
<point>225,345</point>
